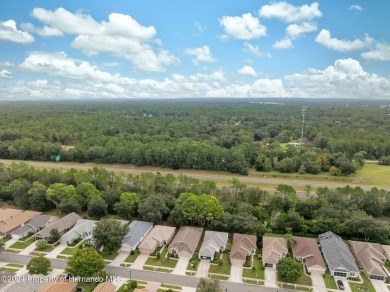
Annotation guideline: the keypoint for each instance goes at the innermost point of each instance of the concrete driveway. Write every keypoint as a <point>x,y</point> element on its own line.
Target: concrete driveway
<point>236,271</point>
<point>181,266</point>
<point>379,285</point>
<point>318,281</point>
<point>139,262</point>
<point>203,269</point>
<point>270,277</point>
<point>56,251</point>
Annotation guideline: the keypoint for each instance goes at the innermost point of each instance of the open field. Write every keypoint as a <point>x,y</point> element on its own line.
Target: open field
<point>371,175</point>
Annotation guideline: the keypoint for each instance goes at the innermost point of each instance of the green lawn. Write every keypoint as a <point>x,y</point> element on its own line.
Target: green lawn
<point>48,248</point>
<point>132,257</point>
<point>69,251</point>
<point>224,268</point>
<point>164,270</point>
<point>5,239</point>
<point>163,261</point>
<point>387,265</point>
<point>23,244</point>
<point>14,265</point>
<point>366,286</point>
<point>329,281</point>
<point>219,277</point>
<point>258,273</point>
<point>109,257</point>
<point>3,269</point>
<point>11,250</point>
<point>302,280</point>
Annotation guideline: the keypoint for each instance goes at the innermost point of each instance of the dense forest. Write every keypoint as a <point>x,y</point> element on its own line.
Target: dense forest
<point>210,135</point>
<point>350,212</point>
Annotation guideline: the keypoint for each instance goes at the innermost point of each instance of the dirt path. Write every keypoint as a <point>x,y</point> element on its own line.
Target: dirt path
<point>199,174</point>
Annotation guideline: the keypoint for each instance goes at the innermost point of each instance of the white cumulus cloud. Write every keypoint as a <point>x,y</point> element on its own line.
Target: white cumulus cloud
<point>255,50</point>
<point>284,43</point>
<point>202,54</point>
<point>247,71</point>
<point>325,38</point>
<point>380,52</point>
<point>295,30</point>
<point>121,36</point>
<point>10,33</point>
<point>5,74</point>
<point>245,27</point>
<point>289,13</point>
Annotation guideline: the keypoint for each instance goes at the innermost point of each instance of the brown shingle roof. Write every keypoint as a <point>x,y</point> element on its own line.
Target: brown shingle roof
<point>272,248</point>
<point>371,256</point>
<point>59,287</point>
<point>14,222</point>
<point>105,287</point>
<point>186,239</point>
<point>158,234</point>
<point>242,244</point>
<point>307,249</point>
<point>8,213</point>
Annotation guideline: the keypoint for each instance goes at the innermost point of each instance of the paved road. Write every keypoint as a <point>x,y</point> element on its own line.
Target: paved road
<point>147,275</point>
<point>223,176</point>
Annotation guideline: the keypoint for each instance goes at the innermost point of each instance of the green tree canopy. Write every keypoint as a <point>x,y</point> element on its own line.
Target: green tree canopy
<point>85,262</point>
<point>109,233</point>
<point>39,265</point>
<point>208,285</point>
<point>289,269</point>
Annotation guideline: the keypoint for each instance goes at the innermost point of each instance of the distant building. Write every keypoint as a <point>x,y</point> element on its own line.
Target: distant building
<point>19,219</point>
<point>63,225</point>
<point>274,249</point>
<point>82,229</point>
<point>36,224</point>
<point>159,236</point>
<point>339,258</point>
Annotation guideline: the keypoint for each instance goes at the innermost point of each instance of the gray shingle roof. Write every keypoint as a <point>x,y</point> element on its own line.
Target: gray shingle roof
<point>336,252</point>
<point>61,224</point>
<point>137,229</point>
<point>212,243</point>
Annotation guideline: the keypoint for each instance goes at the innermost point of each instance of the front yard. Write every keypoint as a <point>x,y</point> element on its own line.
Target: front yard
<point>132,257</point>
<point>329,281</point>
<point>162,261</point>
<point>23,244</point>
<point>257,272</point>
<point>366,286</point>
<point>221,269</point>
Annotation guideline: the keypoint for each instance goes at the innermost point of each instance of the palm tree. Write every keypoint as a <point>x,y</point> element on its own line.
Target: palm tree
<point>290,240</point>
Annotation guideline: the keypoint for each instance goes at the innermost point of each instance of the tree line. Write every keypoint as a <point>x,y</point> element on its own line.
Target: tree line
<point>211,135</point>
<point>182,200</point>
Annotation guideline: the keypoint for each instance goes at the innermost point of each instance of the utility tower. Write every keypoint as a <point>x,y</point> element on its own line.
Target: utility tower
<point>303,122</point>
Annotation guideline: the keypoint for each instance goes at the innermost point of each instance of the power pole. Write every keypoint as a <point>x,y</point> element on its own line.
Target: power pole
<point>303,122</point>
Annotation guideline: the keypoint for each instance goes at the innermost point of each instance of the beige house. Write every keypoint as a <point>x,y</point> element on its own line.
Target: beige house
<point>185,242</point>
<point>307,252</point>
<point>371,258</point>
<point>13,222</point>
<point>243,246</point>
<point>158,236</point>
<point>8,213</point>
<point>274,249</point>
<point>63,225</point>
<point>105,287</point>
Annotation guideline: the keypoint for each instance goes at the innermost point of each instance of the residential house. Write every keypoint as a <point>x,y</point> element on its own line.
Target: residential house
<point>274,249</point>
<point>386,249</point>
<point>63,225</point>
<point>137,232</point>
<point>105,287</point>
<point>158,237</point>
<point>185,241</point>
<point>371,257</point>
<point>339,258</point>
<point>243,246</point>
<point>34,225</point>
<point>8,213</point>
<point>11,223</point>
<point>59,286</point>
<point>82,229</point>
<point>213,242</point>
<point>307,252</point>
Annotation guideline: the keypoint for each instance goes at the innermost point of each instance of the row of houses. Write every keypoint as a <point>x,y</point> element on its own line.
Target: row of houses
<point>340,259</point>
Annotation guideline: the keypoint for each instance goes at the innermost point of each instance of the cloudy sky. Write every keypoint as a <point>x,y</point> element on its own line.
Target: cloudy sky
<point>159,49</point>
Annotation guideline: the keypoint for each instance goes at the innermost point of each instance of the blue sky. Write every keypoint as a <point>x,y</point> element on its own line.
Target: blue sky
<point>162,49</point>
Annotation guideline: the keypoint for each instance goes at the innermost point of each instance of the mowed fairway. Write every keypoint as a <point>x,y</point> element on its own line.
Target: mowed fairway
<point>371,175</point>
